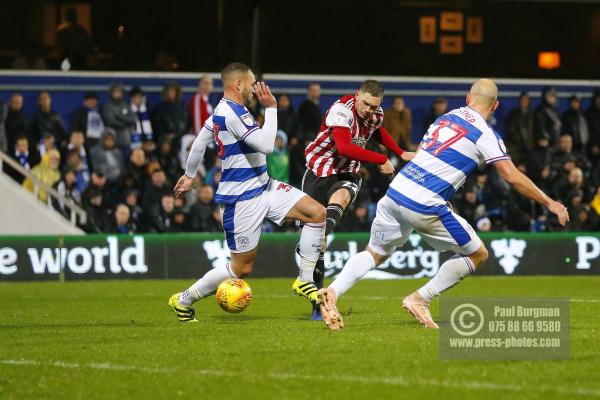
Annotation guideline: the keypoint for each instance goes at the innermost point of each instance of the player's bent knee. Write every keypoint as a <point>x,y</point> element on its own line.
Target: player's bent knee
<point>480,256</point>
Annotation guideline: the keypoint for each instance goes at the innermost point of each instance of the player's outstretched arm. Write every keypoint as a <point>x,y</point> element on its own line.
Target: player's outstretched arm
<point>527,188</point>
<point>263,140</point>
<point>193,162</point>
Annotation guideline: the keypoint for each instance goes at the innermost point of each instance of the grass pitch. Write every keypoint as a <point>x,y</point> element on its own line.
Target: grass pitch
<point>119,340</point>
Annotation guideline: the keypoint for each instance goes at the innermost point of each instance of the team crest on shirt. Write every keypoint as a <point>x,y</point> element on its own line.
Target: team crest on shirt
<point>360,141</point>
<point>247,119</point>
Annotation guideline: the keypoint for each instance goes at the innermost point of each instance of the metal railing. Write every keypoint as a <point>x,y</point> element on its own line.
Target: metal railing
<point>75,210</point>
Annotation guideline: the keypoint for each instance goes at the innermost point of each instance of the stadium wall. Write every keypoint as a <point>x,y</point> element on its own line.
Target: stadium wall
<point>67,89</point>
<point>187,256</point>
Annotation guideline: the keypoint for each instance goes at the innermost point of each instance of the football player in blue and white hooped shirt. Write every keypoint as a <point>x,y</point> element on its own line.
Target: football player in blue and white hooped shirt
<point>455,144</point>
<point>246,194</point>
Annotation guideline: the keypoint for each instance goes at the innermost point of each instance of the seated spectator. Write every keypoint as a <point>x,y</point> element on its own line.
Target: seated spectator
<point>158,186</point>
<point>23,156</point>
<point>575,124</point>
<point>161,216</point>
<point>79,169</point>
<point>287,119</point>
<point>46,120</point>
<point>134,174</point>
<point>135,211</point>
<point>98,183</point>
<point>77,143</point>
<point>119,117</point>
<point>583,219</point>
<point>170,116</point>
<point>106,157</point>
<point>93,205</point>
<point>204,214</point>
<point>168,162</point>
<point>46,172</point>
<point>120,221</point>
<point>468,206</point>
<point>519,129</point>
<point>68,188</point>
<point>278,162</point>
<point>438,108</point>
<point>565,153</point>
<point>546,121</point>
<point>16,123</point>
<point>47,143</point>
<point>180,221</point>
<point>142,131</point>
<point>398,121</point>
<point>573,182</point>
<point>539,157</point>
<point>88,120</point>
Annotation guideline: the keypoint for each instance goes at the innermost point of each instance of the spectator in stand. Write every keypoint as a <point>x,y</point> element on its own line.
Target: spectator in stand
<point>119,117</point>
<point>77,144</point>
<point>107,158</point>
<point>73,41</point>
<point>565,153</point>
<point>468,206</point>
<point>168,162</point>
<point>592,115</point>
<point>357,219</point>
<point>135,211</point>
<point>540,157</point>
<point>519,129</point>
<point>158,186</point>
<point>134,174</point>
<point>67,186</point>
<point>16,123</point>
<point>47,143</point>
<point>75,164</point>
<point>309,113</point>
<point>278,162</point>
<point>438,108</point>
<point>3,137</point>
<point>99,183</point>
<point>161,217</point>
<point>93,204</point>
<point>398,121</point>
<point>287,120</point>
<point>120,221</point>
<point>46,172</point>
<point>45,120</point>
<point>575,124</point>
<point>583,219</point>
<point>180,221</point>
<point>87,119</point>
<point>23,156</point>
<point>199,107</point>
<point>204,214</point>
<point>142,131</point>
<point>546,118</point>
<point>170,116</point>
<point>574,182</point>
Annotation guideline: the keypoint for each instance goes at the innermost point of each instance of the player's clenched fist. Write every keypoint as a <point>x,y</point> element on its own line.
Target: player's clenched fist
<point>183,185</point>
<point>387,168</point>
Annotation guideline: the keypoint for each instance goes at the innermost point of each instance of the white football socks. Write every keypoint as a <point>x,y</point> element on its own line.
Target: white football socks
<point>355,268</point>
<point>308,249</point>
<point>206,286</point>
<point>451,272</point>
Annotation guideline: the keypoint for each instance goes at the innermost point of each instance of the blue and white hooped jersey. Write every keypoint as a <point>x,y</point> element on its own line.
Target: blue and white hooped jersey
<point>455,144</point>
<point>244,170</point>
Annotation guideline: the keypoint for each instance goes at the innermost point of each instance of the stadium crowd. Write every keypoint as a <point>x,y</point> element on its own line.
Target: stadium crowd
<point>120,160</point>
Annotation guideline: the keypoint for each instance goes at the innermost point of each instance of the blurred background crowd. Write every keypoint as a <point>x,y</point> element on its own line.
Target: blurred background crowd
<point>120,160</point>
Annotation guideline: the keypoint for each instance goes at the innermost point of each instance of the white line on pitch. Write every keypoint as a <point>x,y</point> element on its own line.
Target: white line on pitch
<point>392,380</point>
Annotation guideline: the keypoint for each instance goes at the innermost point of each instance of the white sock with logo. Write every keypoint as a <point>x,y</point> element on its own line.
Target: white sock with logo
<point>451,272</point>
<point>206,286</point>
<point>308,249</point>
<point>355,268</point>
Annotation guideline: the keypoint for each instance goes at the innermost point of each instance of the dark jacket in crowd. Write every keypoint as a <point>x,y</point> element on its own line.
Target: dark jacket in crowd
<point>17,124</point>
<point>117,115</point>
<point>170,118</point>
<point>592,115</point>
<point>310,118</point>
<point>519,133</point>
<point>575,124</point>
<point>44,122</point>
<point>201,217</point>
<point>547,120</point>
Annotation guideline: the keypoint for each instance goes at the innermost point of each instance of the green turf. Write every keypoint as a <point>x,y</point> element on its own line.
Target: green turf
<point>118,340</point>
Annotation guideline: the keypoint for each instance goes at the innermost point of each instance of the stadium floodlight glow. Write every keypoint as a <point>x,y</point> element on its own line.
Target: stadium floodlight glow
<point>549,59</point>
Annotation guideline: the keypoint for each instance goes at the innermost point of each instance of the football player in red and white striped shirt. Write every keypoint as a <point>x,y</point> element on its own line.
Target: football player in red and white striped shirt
<point>333,159</point>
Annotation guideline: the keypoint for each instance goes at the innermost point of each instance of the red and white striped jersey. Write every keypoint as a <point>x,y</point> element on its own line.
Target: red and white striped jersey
<point>322,157</point>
